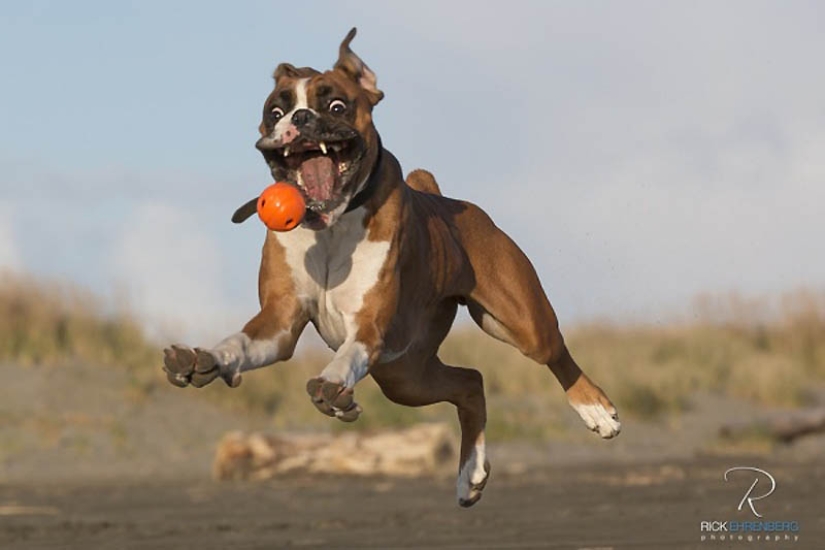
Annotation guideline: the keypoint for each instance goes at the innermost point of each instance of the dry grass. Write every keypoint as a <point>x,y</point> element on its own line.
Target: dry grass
<point>47,323</point>
<point>770,352</point>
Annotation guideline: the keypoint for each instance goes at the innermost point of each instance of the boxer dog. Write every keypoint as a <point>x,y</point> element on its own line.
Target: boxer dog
<point>379,266</point>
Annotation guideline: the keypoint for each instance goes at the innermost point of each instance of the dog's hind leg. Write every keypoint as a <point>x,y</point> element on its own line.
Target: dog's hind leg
<point>417,383</point>
<point>508,303</point>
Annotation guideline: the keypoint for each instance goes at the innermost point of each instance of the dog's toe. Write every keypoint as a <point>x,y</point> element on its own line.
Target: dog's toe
<point>179,364</point>
<point>176,380</point>
<point>349,415</point>
<point>179,360</point>
<point>600,419</point>
<point>200,379</point>
<point>204,361</point>
<point>314,390</point>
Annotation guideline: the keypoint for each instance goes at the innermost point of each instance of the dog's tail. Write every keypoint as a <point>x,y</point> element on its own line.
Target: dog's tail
<point>421,180</point>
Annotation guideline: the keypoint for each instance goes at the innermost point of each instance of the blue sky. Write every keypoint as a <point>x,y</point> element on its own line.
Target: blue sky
<point>640,152</point>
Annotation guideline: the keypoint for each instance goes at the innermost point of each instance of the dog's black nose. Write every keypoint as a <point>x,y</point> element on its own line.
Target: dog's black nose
<point>302,116</point>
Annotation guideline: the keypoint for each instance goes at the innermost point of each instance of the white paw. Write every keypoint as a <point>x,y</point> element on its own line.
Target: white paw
<point>473,476</point>
<point>599,419</point>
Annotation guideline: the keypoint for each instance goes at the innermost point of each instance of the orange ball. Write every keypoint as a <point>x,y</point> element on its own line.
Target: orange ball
<point>281,207</point>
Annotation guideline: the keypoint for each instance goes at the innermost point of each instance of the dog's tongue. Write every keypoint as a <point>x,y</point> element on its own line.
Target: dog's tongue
<point>318,175</point>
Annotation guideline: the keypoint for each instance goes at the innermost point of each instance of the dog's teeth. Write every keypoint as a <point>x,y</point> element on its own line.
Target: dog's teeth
<point>286,151</point>
<point>323,147</point>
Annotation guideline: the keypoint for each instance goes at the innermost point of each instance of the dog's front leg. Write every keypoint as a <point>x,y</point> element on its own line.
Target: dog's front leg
<point>332,391</point>
<point>266,339</point>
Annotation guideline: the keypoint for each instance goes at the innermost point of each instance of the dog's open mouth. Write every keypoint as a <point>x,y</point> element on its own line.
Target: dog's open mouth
<point>322,170</point>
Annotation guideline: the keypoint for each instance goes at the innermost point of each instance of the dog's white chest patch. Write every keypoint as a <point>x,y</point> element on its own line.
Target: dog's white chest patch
<point>333,270</point>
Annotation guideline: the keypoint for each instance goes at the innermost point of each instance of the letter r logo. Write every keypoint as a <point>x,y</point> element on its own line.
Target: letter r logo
<point>748,498</point>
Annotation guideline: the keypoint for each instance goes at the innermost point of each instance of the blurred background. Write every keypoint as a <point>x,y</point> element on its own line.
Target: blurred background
<point>661,164</point>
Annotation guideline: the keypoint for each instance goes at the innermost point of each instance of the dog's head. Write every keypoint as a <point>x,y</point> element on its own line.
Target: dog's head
<point>317,132</point>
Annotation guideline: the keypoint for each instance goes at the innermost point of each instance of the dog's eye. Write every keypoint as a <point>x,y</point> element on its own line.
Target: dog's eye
<point>337,107</point>
<point>277,113</point>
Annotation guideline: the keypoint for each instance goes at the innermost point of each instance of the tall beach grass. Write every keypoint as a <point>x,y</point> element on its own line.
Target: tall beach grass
<point>769,351</point>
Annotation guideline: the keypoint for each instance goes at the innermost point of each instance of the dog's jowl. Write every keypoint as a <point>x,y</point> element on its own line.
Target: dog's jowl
<point>380,265</point>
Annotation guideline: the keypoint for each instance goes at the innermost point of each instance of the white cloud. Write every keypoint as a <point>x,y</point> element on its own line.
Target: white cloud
<point>659,150</point>
<point>171,271</point>
<point>657,229</point>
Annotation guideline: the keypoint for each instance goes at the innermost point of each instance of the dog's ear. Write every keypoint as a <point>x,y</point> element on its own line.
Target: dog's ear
<point>285,69</point>
<point>246,211</point>
<point>356,69</point>
<point>291,71</point>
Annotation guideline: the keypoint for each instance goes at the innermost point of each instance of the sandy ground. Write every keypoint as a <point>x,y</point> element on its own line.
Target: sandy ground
<point>654,506</point>
<point>84,464</point>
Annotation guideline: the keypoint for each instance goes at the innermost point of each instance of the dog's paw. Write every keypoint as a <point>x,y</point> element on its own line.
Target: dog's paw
<point>471,483</point>
<point>594,407</point>
<point>601,418</point>
<point>185,366</point>
<point>333,399</point>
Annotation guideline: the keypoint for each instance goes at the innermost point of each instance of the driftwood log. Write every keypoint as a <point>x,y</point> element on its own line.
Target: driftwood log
<point>782,427</point>
<point>421,450</point>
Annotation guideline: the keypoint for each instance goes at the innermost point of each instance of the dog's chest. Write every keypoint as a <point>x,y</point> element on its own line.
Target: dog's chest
<point>333,270</point>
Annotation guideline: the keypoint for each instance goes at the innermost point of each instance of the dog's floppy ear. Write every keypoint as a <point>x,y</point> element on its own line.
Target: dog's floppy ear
<point>285,69</point>
<point>246,211</point>
<point>291,71</point>
<point>353,66</point>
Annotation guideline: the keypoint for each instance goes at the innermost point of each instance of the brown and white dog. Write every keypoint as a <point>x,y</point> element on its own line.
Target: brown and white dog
<point>380,266</point>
